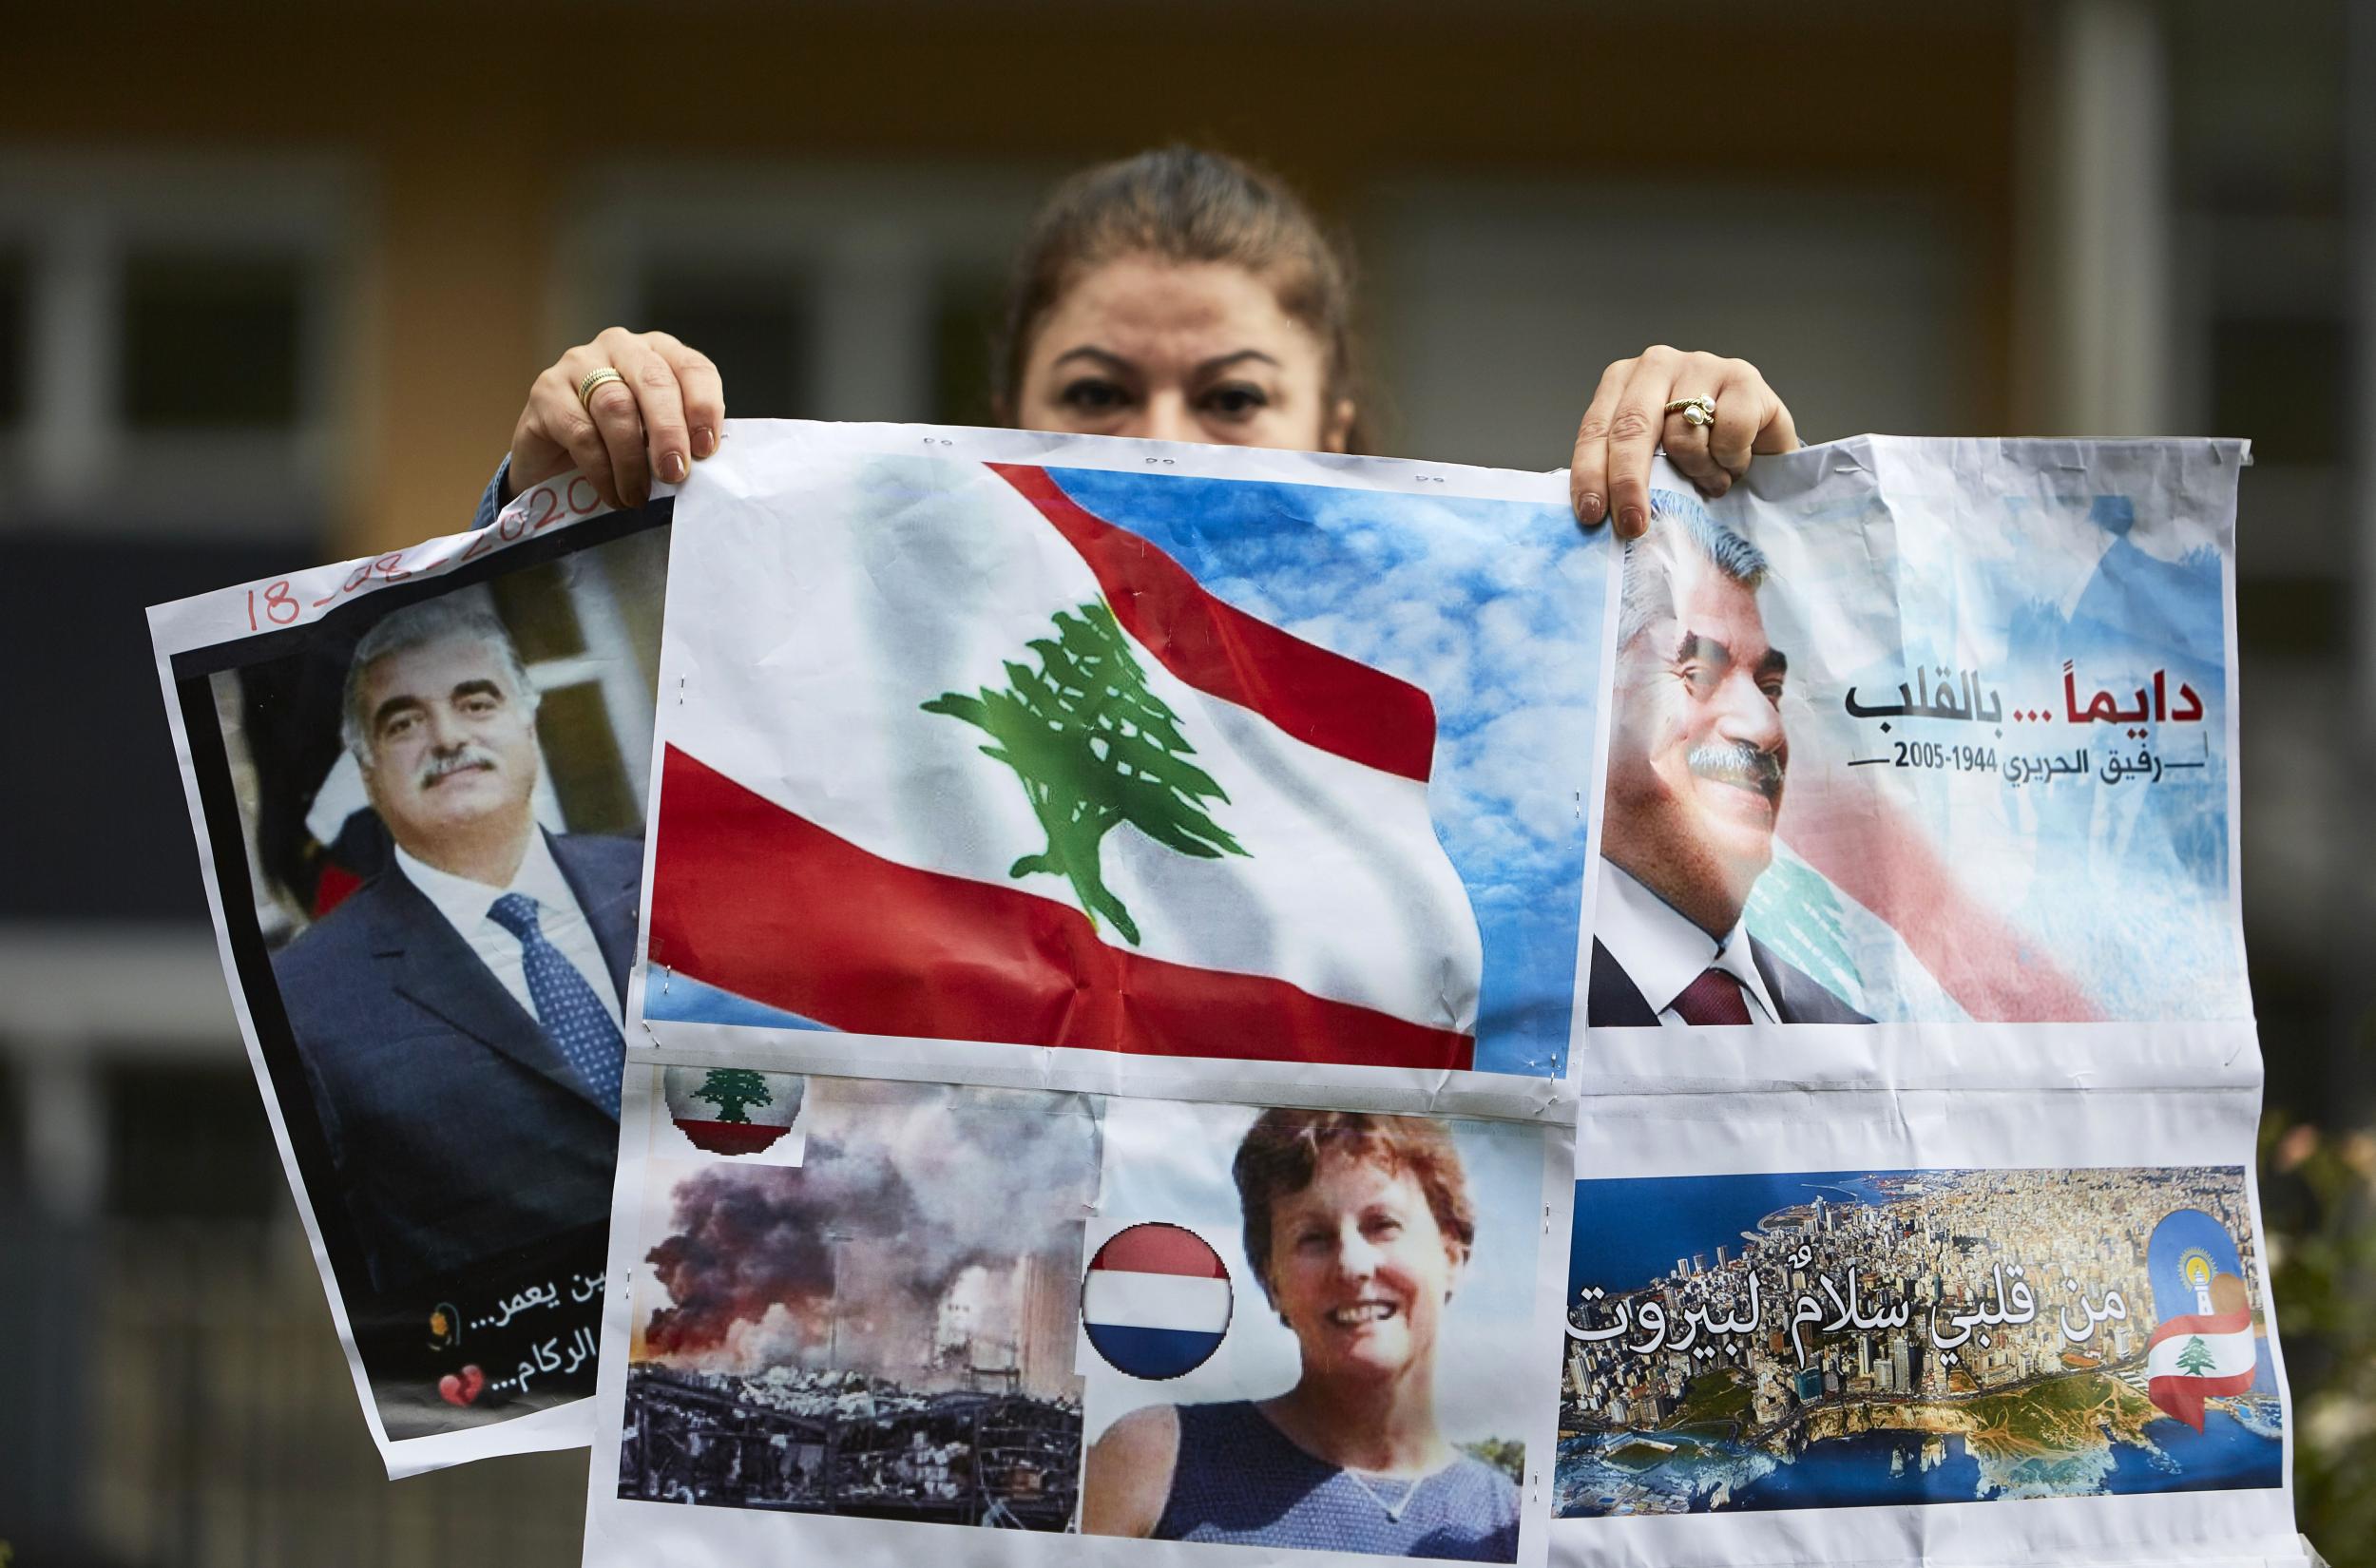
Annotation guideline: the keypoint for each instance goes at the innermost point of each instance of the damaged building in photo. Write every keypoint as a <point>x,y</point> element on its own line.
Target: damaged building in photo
<point>838,1340</point>
<point>842,1444</point>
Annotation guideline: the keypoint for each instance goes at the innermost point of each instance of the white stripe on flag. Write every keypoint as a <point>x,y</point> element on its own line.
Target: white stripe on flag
<point>826,618</point>
<point>2230,1354</point>
<point>1126,1299</point>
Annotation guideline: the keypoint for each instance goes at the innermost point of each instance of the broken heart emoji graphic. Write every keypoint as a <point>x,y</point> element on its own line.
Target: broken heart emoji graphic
<point>463,1387</point>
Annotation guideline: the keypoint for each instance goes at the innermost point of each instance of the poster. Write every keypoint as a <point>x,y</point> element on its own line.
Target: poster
<point>419,785</point>
<point>1171,757</point>
<point>1928,732</point>
<point>893,1304</point>
<point>1914,1216</point>
<point>2009,1325</point>
<point>1210,1006</point>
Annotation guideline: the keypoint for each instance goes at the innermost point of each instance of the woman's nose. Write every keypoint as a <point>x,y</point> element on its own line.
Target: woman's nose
<point>1167,418</point>
<point>1356,1257</point>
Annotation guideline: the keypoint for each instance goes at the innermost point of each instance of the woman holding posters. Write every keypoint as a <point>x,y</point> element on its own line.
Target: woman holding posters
<point>1359,1228</point>
<point>1176,295</point>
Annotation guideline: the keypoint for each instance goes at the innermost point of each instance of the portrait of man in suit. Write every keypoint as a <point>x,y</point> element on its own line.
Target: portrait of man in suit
<point>1698,762</point>
<point>458,1016</point>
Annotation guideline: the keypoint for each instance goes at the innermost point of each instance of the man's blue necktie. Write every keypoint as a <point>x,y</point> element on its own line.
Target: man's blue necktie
<point>573,1014</point>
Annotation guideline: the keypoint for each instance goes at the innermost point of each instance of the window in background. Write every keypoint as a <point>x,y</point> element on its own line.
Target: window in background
<point>188,1140</point>
<point>210,341</point>
<point>750,320</point>
<point>1498,305</point>
<point>966,323</point>
<point>12,1157</point>
<point>2281,378</point>
<point>15,288</point>
<point>862,295</point>
<point>2260,121</point>
<point>170,338</point>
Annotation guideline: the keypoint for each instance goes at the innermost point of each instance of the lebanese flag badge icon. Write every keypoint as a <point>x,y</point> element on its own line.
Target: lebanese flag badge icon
<point>2204,1346</point>
<point>731,1110</point>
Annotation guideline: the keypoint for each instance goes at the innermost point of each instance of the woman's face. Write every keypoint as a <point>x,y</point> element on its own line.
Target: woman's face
<point>1179,352</point>
<point>1360,1270</point>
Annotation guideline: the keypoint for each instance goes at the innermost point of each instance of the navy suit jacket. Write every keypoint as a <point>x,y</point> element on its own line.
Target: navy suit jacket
<point>1613,1002</point>
<point>458,1129</point>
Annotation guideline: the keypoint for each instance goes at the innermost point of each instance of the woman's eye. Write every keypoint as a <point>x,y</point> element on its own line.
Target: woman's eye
<point>1236,400</point>
<point>1092,395</point>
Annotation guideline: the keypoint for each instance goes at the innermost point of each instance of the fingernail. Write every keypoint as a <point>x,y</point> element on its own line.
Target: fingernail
<point>1592,508</point>
<point>673,467</point>
<point>1629,523</point>
<point>704,441</point>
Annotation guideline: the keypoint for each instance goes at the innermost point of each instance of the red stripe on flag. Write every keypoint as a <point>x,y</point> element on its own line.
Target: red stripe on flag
<point>1322,699</point>
<point>2183,1396</point>
<point>759,900</point>
<point>2202,1323</point>
<point>1159,1249</point>
<point>1890,863</point>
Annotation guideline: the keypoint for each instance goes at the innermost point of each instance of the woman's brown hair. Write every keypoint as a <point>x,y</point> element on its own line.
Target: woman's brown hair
<point>1282,1152</point>
<point>1184,204</point>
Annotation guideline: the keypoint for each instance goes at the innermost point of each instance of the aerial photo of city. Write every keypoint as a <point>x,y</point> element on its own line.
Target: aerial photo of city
<point>1859,1338</point>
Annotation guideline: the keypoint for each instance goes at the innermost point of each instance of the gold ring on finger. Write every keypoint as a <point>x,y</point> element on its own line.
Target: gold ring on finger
<point>592,379</point>
<point>1699,413</point>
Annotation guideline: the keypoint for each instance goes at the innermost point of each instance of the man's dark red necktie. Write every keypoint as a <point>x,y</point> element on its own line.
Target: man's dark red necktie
<point>1714,997</point>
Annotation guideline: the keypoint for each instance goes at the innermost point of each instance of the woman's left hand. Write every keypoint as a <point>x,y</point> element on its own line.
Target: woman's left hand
<point>1609,476</point>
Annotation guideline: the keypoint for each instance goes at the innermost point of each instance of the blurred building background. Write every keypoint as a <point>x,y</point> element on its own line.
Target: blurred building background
<point>273,283</point>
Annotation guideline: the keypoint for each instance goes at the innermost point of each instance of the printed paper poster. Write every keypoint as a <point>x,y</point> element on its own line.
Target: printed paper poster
<point>1151,763</point>
<point>1846,1338</point>
<point>1097,1064</point>
<point>419,788</point>
<point>1926,731</point>
<point>1042,1312</point>
<point>882,1329</point>
<point>1356,1253</point>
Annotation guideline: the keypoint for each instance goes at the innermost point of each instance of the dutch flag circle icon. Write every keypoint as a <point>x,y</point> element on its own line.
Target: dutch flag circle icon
<point>1157,1301</point>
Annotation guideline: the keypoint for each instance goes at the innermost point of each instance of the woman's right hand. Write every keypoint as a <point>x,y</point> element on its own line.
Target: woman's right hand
<point>668,413</point>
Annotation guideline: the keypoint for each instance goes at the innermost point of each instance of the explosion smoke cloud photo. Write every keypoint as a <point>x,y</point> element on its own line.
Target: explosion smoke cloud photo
<point>886,1330</point>
<point>920,1221</point>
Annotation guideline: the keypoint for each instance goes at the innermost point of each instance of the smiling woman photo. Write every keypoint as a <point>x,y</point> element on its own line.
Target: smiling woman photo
<point>1359,1227</point>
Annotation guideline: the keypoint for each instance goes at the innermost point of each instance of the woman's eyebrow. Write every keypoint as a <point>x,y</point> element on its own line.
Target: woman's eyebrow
<point>1089,350</point>
<point>1222,361</point>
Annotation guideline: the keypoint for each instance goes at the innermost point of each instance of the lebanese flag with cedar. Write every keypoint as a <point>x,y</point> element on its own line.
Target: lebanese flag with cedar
<point>956,758</point>
<point>2199,1356</point>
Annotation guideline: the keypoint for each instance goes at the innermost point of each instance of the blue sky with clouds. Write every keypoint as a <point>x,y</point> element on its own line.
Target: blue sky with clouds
<point>1495,609</point>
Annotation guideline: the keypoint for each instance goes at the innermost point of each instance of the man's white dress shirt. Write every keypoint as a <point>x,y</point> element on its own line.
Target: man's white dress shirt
<point>1662,952</point>
<point>465,902</point>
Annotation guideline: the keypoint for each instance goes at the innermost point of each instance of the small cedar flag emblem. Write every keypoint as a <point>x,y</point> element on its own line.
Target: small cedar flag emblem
<point>731,1110</point>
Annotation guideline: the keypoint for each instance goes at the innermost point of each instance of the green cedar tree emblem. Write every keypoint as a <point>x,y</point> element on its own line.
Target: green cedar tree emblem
<point>2195,1359</point>
<point>730,1089</point>
<point>1094,748</point>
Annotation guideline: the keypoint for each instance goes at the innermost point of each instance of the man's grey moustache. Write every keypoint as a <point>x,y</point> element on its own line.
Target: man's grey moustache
<point>468,757</point>
<point>1740,764</point>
